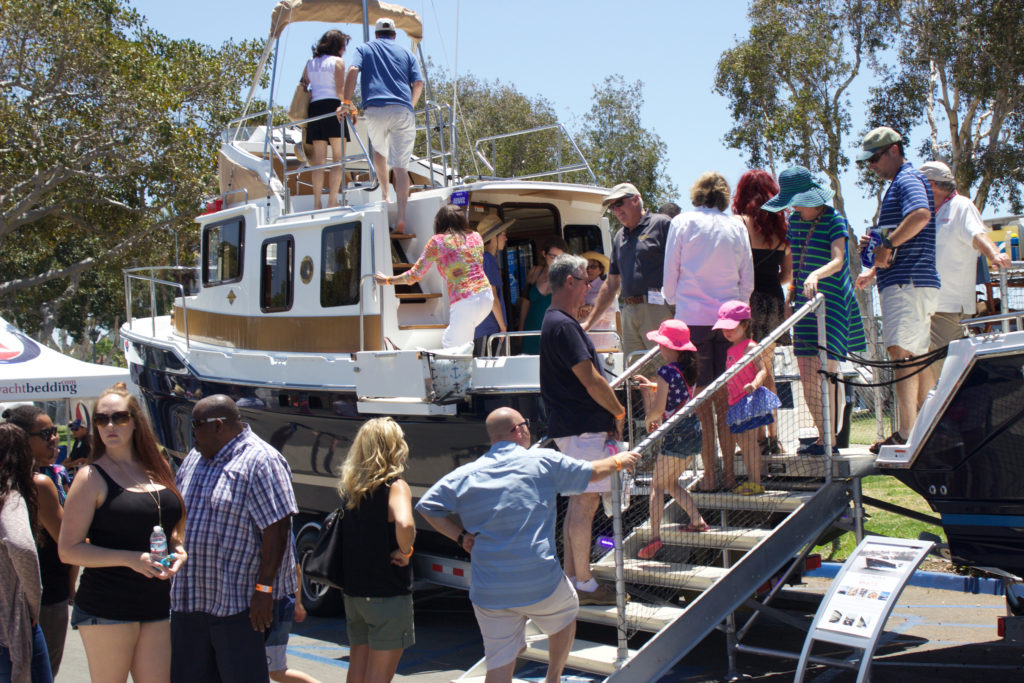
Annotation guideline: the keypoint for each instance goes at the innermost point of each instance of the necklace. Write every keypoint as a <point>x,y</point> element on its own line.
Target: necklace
<point>147,487</point>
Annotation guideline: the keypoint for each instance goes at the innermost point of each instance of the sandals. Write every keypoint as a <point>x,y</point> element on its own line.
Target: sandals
<point>650,550</point>
<point>694,528</point>
<point>749,488</point>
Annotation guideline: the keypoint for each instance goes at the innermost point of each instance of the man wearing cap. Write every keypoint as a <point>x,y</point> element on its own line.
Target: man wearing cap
<point>583,412</point>
<point>493,233</point>
<point>637,265</point>
<point>959,233</point>
<point>908,282</point>
<point>391,87</point>
<point>79,453</point>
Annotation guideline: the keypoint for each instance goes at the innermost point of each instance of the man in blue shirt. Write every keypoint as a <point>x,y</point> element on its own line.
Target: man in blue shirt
<point>908,282</point>
<point>506,501</point>
<point>391,87</point>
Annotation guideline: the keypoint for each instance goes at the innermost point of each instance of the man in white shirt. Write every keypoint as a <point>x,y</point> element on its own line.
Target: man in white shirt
<point>960,234</point>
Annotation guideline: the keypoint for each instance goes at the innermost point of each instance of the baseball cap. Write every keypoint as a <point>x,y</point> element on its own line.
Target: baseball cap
<point>880,137</point>
<point>730,314</point>
<point>674,334</point>
<point>384,24</point>
<point>937,171</point>
<point>619,192</point>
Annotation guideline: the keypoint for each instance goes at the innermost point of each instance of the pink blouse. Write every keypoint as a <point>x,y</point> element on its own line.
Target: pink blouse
<point>745,376</point>
<point>460,260</point>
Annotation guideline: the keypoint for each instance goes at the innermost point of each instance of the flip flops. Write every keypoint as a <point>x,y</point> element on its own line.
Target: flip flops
<point>749,488</point>
<point>650,550</point>
<point>694,528</point>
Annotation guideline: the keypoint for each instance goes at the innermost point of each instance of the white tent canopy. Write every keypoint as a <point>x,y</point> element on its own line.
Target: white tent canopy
<point>30,371</point>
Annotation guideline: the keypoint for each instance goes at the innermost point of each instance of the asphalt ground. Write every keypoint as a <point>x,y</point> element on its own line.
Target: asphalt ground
<point>932,635</point>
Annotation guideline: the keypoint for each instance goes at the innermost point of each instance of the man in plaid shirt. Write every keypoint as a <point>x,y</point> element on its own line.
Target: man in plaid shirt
<point>238,503</point>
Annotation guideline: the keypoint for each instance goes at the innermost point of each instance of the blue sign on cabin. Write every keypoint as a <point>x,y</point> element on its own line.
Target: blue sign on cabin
<point>459,198</point>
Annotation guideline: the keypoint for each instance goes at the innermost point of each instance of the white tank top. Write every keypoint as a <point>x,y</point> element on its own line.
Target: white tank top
<point>320,71</point>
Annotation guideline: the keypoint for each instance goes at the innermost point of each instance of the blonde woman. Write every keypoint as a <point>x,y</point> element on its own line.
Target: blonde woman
<point>122,608</point>
<point>378,537</point>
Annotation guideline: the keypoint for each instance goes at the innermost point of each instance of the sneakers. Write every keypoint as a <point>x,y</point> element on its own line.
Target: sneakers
<point>749,488</point>
<point>815,449</point>
<point>894,440</point>
<point>604,595</point>
<point>770,446</point>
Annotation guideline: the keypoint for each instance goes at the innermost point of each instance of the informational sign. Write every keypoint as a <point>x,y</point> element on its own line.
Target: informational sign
<point>862,596</point>
<point>459,198</point>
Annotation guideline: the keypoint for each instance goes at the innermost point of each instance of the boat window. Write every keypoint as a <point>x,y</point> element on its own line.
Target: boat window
<point>277,260</point>
<point>341,246</point>
<point>583,238</point>
<point>222,252</point>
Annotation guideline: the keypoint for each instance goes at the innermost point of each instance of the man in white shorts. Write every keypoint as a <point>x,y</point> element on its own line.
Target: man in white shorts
<point>391,87</point>
<point>506,501</point>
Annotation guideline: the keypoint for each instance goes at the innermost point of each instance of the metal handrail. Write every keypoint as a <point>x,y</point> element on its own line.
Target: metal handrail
<point>136,274</point>
<point>558,170</point>
<point>506,337</point>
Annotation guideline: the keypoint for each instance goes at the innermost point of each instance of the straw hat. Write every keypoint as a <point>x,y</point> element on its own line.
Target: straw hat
<point>490,226</point>
<point>600,258</point>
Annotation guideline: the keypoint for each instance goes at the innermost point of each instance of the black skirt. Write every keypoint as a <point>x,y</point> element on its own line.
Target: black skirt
<point>327,128</point>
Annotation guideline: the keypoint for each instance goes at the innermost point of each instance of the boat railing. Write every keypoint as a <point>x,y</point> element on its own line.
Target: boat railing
<point>148,275</point>
<point>561,136</point>
<point>439,154</point>
<point>501,342</point>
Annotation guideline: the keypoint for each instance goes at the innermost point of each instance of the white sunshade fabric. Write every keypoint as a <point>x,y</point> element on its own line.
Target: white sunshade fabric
<point>30,371</point>
<point>344,12</point>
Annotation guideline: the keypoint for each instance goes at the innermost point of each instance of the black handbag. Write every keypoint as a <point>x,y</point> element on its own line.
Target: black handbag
<point>324,564</point>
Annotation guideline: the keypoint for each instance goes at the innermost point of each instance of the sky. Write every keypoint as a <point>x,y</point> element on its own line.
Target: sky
<point>558,50</point>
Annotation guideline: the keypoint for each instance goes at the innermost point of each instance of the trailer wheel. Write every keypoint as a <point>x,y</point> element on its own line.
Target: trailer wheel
<point>319,600</point>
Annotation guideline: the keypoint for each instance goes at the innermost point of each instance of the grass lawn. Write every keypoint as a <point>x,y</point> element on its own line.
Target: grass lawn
<point>882,522</point>
<point>864,427</point>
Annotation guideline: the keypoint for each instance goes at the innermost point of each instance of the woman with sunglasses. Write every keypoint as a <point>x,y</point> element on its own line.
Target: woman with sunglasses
<point>23,656</point>
<point>122,607</point>
<point>58,578</point>
<point>535,304</point>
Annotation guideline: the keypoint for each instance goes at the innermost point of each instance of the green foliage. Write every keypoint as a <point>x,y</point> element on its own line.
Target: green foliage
<point>788,81</point>
<point>959,70</point>
<point>107,132</point>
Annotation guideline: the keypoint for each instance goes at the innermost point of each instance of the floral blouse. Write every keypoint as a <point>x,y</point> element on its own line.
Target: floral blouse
<point>460,260</point>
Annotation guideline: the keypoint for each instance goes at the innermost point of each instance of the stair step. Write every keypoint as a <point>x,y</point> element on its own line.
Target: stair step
<point>401,236</point>
<point>403,266</point>
<point>406,296</point>
<point>769,501</point>
<point>642,616</point>
<point>423,326</point>
<point>727,538</point>
<point>585,655</point>
<point>668,574</point>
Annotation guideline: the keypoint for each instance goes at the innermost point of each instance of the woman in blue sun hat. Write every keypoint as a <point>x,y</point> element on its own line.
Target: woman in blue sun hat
<point>818,238</point>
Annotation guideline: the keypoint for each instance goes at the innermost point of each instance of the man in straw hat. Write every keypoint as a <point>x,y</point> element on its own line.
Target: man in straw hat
<point>908,285</point>
<point>959,235</point>
<point>637,265</point>
<point>493,233</point>
<point>391,87</point>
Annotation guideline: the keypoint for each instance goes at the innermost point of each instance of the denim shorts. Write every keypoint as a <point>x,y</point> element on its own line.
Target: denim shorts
<point>79,617</point>
<point>277,636</point>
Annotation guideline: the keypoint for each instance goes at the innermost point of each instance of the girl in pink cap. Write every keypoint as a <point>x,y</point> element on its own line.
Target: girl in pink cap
<point>662,398</point>
<point>750,403</point>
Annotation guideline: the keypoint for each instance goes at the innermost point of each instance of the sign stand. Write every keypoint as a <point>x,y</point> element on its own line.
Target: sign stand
<point>862,597</point>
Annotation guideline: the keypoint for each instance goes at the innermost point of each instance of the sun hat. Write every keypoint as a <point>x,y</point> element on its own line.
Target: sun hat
<point>384,24</point>
<point>879,138</point>
<point>596,256</point>
<point>674,334</point>
<point>618,192</point>
<point>490,226</point>
<point>797,187</point>
<point>937,171</point>
<point>730,314</point>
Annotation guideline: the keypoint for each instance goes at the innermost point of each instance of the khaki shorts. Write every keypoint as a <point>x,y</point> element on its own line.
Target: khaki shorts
<point>907,316</point>
<point>590,447</point>
<point>392,132</point>
<point>504,630</point>
<point>382,623</point>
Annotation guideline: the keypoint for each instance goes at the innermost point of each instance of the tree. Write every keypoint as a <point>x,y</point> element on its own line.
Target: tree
<point>788,82</point>
<point>959,71</point>
<point>618,146</point>
<point>106,136</point>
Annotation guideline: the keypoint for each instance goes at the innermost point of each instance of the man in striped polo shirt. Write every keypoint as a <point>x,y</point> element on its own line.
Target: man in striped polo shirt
<point>908,282</point>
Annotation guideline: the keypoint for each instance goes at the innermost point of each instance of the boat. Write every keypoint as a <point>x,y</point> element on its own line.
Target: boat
<point>283,315</point>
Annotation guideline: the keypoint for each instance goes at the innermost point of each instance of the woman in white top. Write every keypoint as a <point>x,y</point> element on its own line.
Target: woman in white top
<point>324,75</point>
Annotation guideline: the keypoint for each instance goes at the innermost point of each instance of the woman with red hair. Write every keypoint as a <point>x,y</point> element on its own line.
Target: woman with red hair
<point>773,270</point>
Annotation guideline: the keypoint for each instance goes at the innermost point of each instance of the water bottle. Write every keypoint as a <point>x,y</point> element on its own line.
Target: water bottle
<point>158,544</point>
<point>867,256</point>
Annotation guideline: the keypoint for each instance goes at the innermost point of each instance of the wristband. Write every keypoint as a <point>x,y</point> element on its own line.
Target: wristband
<point>348,102</point>
<point>387,279</point>
<point>408,554</point>
<point>264,589</point>
<point>618,463</point>
<point>621,415</point>
<point>462,535</point>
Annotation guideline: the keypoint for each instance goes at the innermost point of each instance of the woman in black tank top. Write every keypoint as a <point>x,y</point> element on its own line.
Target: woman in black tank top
<point>122,607</point>
<point>773,270</point>
<point>377,542</point>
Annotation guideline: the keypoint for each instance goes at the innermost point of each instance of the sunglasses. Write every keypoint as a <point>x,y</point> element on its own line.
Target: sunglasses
<point>118,419</point>
<point>524,423</point>
<point>198,422</point>
<point>45,434</point>
<point>873,159</point>
<point>618,204</point>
